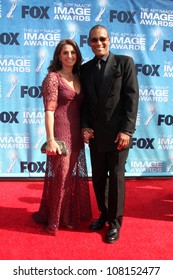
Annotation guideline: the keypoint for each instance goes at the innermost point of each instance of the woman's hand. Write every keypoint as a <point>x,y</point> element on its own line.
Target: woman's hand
<point>86,134</point>
<point>52,148</point>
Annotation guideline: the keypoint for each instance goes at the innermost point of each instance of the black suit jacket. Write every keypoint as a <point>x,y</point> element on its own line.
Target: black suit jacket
<point>116,108</point>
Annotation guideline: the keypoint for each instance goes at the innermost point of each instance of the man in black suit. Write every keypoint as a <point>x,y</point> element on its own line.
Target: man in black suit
<point>108,122</point>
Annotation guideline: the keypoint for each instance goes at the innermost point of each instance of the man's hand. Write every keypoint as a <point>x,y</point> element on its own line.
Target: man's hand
<point>122,140</point>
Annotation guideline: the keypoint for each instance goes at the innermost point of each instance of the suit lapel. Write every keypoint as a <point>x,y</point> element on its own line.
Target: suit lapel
<point>108,78</point>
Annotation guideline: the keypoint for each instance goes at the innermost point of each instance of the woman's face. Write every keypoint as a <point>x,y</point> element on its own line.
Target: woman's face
<point>68,56</point>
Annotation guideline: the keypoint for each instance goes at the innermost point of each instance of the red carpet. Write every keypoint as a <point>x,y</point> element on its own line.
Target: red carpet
<point>147,232</point>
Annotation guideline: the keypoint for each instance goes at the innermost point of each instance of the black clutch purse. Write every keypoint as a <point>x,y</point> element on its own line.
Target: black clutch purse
<point>62,145</point>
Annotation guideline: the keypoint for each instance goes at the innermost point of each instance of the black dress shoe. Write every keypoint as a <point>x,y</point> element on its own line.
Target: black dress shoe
<point>98,224</point>
<point>112,235</point>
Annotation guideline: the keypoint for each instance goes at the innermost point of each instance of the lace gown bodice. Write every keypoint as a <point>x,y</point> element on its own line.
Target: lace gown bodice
<point>59,97</point>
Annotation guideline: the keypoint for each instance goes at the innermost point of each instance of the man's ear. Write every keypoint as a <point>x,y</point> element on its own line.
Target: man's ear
<point>88,42</point>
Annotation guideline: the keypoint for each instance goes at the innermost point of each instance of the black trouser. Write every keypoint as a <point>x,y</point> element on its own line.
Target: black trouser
<point>109,165</point>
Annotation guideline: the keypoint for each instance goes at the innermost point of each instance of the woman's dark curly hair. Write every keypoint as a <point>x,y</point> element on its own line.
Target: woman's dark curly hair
<point>56,64</point>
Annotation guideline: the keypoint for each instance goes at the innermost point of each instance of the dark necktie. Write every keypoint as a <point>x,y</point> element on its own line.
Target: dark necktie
<point>98,64</point>
<point>98,72</point>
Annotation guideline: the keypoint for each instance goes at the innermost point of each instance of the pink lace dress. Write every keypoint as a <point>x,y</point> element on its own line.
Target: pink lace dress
<point>66,199</point>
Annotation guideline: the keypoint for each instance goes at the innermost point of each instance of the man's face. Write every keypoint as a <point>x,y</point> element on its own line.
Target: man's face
<point>99,41</point>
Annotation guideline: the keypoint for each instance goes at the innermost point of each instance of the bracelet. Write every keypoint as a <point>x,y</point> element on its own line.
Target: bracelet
<point>49,140</point>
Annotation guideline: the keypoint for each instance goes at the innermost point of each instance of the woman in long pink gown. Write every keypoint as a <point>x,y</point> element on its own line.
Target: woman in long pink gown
<point>66,199</point>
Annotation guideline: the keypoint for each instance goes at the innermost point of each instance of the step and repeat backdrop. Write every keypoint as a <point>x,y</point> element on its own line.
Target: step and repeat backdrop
<point>29,33</point>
